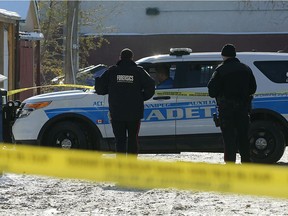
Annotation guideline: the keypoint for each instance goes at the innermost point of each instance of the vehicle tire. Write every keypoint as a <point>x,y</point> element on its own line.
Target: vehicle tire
<point>67,135</point>
<point>267,142</point>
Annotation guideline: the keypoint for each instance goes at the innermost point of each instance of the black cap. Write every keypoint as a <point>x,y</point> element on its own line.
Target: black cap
<point>228,50</point>
<point>126,54</point>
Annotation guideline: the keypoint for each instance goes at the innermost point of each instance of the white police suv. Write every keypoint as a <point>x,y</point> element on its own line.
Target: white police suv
<point>176,119</point>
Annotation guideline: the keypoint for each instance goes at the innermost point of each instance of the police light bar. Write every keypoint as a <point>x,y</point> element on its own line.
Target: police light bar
<point>180,51</point>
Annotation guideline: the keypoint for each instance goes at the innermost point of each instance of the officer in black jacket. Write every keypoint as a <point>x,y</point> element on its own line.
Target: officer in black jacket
<point>233,84</point>
<point>127,86</point>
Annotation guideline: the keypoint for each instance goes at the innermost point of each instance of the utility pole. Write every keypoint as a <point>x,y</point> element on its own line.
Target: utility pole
<point>71,63</point>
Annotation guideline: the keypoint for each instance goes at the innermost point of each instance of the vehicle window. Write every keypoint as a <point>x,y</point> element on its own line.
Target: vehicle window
<point>193,74</point>
<point>86,76</point>
<point>162,73</point>
<point>181,74</point>
<point>276,71</point>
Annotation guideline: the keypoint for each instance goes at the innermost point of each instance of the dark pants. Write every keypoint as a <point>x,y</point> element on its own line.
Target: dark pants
<point>234,126</point>
<point>120,129</point>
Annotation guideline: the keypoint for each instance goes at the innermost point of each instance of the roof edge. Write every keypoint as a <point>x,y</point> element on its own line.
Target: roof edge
<point>9,15</point>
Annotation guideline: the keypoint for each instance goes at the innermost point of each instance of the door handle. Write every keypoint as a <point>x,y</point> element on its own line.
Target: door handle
<point>162,98</point>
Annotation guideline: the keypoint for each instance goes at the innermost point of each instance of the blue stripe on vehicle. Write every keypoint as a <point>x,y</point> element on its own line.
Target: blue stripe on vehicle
<point>277,104</point>
<point>172,111</point>
<point>93,113</point>
<point>179,111</point>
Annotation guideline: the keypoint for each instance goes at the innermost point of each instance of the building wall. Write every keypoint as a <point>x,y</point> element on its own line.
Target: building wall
<point>200,25</point>
<point>7,53</point>
<point>19,53</point>
<point>129,17</point>
<point>3,42</point>
<point>147,45</point>
<point>6,59</point>
<point>26,64</point>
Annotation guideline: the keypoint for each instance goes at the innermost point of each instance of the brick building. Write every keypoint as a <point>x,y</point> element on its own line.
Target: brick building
<point>151,27</point>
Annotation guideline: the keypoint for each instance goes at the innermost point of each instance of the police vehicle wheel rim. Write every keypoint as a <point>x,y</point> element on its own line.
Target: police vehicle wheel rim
<point>66,140</point>
<point>261,143</point>
<point>66,144</point>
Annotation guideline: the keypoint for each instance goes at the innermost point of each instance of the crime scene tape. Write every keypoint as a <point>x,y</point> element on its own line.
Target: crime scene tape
<point>159,93</point>
<point>12,92</point>
<point>130,171</point>
<point>190,94</point>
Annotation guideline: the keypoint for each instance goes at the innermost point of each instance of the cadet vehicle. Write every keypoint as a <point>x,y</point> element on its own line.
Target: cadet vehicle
<point>178,119</point>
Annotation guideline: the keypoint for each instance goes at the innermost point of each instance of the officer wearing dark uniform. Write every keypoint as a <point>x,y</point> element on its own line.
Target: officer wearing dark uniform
<point>233,84</point>
<point>128,86</point>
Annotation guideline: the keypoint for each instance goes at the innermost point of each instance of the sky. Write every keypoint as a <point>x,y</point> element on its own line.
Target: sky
<point>20,7</point>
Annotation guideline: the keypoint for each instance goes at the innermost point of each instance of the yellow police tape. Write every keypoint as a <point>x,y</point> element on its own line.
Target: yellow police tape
<point>190,94</point>
<point>12,92</point>
<point>175,93</point>
<point>159,93</point>
<point>253,179</point>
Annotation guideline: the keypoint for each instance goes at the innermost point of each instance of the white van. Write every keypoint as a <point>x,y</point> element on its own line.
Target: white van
<point>178,119</point>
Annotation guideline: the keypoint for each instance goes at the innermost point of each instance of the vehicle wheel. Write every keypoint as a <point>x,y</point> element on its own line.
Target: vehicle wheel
<point>67,135</point>
<point>267,143</point>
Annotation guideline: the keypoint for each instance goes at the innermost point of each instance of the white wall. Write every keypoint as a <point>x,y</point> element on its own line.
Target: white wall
<point>129,17</point>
